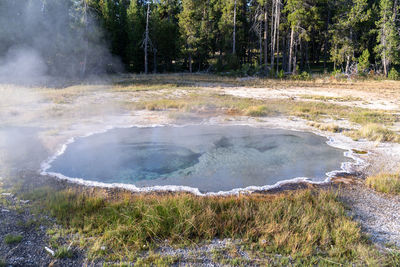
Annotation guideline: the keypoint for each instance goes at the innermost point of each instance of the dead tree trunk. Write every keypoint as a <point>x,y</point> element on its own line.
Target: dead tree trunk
<point>234,30</point>
<point>85,21</point>
<point>291,50</point>
<point>146,40</point>
<point>265,35</point>
<point>278,18</point>
<point>273,20</point>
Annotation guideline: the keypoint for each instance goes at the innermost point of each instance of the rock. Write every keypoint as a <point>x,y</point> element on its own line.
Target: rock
<point>50,251</point>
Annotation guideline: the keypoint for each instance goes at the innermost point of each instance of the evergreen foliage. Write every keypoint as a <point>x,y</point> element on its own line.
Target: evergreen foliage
<point>270,36</point>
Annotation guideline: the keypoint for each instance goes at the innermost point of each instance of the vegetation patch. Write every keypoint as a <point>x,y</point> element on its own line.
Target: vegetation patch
<point>375,132</point>
<point>63,252</point>
<point>385,183</point>
<point>331,98</point>
<point>259,111</point>
<point>11,239</point>
<point>303,224</point>
<point>330,127</point>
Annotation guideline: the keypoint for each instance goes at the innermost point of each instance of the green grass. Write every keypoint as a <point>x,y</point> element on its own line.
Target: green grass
<point>11,239</point>
<point>385,183</point>
<point>63,252</point>
<point>303,224</point>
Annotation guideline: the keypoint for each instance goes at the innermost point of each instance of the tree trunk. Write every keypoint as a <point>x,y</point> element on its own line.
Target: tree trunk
<point>273,33</point>
<point>278,18</point>
<point>85,21</point>
<point>265,36</point>
<point>291,50</point>
<point>146,40</point>
<point>155,60</point>
<point>384,64</point>
<point>190,62</point>
<point>234,30</point>
<point>260,39</point>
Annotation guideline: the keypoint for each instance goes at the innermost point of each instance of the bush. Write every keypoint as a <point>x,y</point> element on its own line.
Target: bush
<point>281,74</point>
<point>393,74</point>
<point>363,62</point>
<point>304,76</point>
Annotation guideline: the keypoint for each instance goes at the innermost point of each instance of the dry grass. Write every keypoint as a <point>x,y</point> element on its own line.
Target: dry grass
<point>375,132</point>
<point>384,87</point>
<point>331,98</point>
<point>329,127</point>
<point>385,183</point>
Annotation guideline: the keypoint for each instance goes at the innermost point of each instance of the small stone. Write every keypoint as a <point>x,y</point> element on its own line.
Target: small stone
<point>103,248</point>
<point>4,210</point>
<point>50,251</point>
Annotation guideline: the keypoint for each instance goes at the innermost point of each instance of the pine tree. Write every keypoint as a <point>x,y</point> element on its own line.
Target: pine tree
<point>388,39</point>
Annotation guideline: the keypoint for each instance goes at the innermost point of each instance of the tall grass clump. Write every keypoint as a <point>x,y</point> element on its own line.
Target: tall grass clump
<point>376,132</point>
<point>385,183</point>
<point>258,111</point>
<point>301,224</point>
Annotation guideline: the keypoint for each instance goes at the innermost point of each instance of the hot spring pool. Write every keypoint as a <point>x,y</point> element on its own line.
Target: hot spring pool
<point>210,158</point>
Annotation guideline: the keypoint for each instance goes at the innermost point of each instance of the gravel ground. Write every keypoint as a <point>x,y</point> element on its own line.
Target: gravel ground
<point>378,214</point>
<point>17,219</point>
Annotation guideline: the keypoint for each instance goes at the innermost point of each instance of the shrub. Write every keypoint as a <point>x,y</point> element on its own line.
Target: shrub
<point>393,74</point>
<point>363,61</point>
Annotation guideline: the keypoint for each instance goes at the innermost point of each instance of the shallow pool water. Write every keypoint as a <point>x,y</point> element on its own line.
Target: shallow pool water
<point>210,158</point>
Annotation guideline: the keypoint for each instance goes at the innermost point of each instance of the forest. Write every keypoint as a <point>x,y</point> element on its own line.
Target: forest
<point>248,37</point>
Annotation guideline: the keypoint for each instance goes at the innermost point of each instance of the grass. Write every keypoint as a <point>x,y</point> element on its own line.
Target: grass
<point>11,239</point>
<point>63,252</point>
<point>252,107</point>
<point>331,98</point>
<point>259,111</point>
<point>330,127</point>
<point>375,132</point>
<point>306,225</point>
<point>385,183</point>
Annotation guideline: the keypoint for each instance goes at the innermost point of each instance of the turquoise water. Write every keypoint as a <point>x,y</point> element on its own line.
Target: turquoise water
<point>210,158</point>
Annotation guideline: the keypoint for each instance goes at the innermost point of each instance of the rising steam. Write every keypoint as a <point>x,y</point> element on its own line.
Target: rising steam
<point>59,38</point>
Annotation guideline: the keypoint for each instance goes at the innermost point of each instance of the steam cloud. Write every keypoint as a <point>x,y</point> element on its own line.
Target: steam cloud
<point>40,39</point>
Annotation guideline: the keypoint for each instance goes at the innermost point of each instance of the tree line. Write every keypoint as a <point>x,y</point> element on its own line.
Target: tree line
<point>269,37</point>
